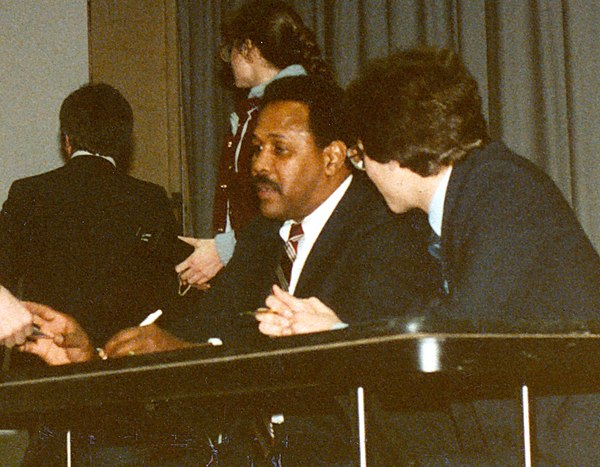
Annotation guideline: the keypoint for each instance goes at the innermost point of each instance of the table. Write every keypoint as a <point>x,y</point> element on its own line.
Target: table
<point>367,358</point>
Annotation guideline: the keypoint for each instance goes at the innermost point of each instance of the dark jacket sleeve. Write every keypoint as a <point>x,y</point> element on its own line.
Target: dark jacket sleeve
<point>518,258</point>
<point>13,235</point>
<point>388,273</point>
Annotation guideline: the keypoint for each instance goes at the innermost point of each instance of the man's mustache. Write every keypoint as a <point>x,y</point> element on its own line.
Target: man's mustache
<point>261,181</point>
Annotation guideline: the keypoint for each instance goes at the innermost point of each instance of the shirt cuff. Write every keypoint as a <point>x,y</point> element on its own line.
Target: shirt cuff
<point>225,244</point>
<point>339,325</point>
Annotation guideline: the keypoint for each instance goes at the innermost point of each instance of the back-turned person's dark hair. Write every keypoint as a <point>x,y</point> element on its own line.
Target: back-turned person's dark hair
<point>420,107</point>
<point>324,98</point>
<point>278,32</point>
<point>97,118</point>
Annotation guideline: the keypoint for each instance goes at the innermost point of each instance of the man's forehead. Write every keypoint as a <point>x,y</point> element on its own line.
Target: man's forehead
<point>283,116</point>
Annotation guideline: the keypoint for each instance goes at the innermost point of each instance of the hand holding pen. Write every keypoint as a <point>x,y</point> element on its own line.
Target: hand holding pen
<point>145,338</point>
<point>147,321</point>
<point>287,315</point>
<point>57,337</point>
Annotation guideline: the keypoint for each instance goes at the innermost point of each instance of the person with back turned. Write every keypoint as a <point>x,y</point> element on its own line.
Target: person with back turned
<point>90,240</point>
<point>86,238</point>
<point>262,42</point>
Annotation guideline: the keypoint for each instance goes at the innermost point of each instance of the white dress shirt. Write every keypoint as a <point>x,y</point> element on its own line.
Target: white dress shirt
<point>82,152</point>
<point>436,206</point>
<point>312,226</point>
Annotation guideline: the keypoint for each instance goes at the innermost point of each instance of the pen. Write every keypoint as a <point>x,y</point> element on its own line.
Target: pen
<point>255,312</point>
<point>38,334</point>
<point>151,318</point>
<point>148,320</point>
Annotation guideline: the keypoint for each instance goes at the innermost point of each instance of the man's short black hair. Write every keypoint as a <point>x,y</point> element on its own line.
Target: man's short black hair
<point>324,99</point>
<point>97,118</point>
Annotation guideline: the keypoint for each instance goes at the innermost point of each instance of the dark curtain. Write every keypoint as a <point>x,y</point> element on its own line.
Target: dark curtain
<point>536,62</point>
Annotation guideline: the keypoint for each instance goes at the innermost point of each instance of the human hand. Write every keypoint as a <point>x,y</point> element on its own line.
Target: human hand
<point>290,315</point>
<point>66,343</point>
<point>202,265</point>
<point>16,323</point>
<point>142,339</point>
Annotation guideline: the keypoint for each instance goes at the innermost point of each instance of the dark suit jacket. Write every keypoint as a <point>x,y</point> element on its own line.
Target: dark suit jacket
<point>73,237</point>
<point>367,264</point>
<point>514,252</point>
<point>515,257</point>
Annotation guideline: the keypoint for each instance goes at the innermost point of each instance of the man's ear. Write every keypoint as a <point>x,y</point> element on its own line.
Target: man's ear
<point>68,148</point>
<point>248,50</point>
<point>334,157</point>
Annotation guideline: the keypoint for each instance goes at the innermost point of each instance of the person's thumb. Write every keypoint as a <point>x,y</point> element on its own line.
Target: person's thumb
<point>190,240</point>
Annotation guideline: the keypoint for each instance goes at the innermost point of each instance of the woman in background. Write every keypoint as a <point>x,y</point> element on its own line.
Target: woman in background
<point>263,41</point>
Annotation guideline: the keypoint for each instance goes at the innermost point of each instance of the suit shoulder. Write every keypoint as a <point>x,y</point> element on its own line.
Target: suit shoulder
<point>137,185</point>
<point>498,161</point>
<point>497,172</point>
<point>364,199</point>
<point>369,206</point>
<point>41,178</point>
<point>260,229</point>
<point>35,185</point>
<point>366,217</point>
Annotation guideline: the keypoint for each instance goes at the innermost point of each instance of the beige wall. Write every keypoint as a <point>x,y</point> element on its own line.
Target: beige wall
<point>46,55</point>
<point>44,50</point>
<point>133,47</point>
<point>44,46</point>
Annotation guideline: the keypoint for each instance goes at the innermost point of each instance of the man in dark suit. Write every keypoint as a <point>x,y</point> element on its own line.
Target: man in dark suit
<point>88,239</point>
<point>349,254</point>
<point>354,254</point>
<point>85,238</point>
<point>512,253</point>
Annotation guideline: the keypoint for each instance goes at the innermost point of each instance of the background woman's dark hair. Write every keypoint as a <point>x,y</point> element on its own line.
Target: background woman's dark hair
<point>278,32</point>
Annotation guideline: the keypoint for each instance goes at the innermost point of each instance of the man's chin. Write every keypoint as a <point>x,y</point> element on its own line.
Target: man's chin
<point>270,211</point>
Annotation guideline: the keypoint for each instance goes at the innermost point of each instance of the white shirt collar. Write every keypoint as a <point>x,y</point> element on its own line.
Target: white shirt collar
<point>82,152</point>
<point>436,206</point>
<point>312,226</point>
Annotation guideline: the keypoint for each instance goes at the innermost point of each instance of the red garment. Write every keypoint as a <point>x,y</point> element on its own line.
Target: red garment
<point>232,186</point>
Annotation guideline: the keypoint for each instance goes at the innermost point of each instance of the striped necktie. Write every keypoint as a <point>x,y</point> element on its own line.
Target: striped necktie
<point>284,271</point>
<point>435,246</point>
<point>435,250</point>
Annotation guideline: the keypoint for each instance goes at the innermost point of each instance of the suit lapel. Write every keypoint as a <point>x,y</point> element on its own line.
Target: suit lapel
<point>454,226</point>
<point>332,241</point>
